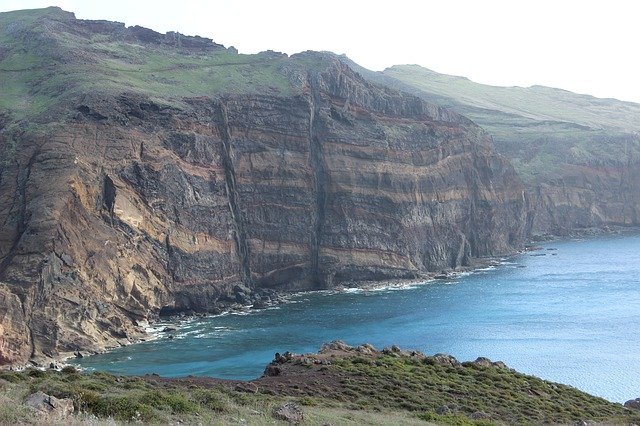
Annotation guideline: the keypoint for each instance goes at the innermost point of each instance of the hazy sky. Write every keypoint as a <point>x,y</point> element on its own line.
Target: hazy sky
<point>584,46</point>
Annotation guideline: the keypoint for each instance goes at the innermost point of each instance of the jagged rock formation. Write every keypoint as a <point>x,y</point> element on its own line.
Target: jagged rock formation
<point>579,156</point>
<point>120,201</point>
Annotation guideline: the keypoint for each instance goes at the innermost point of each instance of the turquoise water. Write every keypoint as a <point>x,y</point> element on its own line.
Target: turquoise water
<point>571,316</point>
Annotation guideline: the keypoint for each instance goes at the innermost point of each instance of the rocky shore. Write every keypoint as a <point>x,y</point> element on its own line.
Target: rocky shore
<point>245,300</point>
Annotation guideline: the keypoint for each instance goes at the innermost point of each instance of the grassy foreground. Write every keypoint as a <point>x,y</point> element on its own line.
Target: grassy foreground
<point>340,385</point>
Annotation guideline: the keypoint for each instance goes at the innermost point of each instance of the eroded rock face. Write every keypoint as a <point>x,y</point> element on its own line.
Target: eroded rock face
<point>133,207</point>
<point>587,196</point>
<point>14,334</point>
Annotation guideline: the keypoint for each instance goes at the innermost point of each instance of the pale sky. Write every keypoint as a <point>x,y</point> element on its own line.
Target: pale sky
<point>583,46</point>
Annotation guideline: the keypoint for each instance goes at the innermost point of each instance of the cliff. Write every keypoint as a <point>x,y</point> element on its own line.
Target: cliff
<point>146,173</point>
<point>578,155</point>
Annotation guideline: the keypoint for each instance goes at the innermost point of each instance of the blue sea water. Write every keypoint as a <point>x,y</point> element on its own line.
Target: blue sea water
<point>569,313</point>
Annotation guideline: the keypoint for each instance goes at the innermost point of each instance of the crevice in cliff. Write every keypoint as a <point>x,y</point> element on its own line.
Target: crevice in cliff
<point>109,194</point>
<point>316,160</point>
<point>471,226</point>
<point>21,189</point>
<point>240,236</point>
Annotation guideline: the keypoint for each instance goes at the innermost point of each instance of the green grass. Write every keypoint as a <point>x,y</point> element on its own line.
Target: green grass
<point>45,61</point>
<point>536,103</point>
<point>360,389</point>
<point>122,398</point>
<point>130,399</point>
<point>423,386</point>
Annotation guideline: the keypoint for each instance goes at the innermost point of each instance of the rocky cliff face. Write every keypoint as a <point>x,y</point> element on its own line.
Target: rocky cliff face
<point>587,196</point>
<point>578,155</point>
<point>118,206</point>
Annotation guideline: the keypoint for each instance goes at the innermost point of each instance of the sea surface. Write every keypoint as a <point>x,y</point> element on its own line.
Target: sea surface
<point>569,313</point>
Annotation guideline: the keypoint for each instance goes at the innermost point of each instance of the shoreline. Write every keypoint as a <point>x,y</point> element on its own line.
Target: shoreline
<point>280,297</point>
<point>156,330</point>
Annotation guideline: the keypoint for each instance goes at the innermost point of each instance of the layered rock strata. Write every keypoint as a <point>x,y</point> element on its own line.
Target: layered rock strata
<point>120,206</point>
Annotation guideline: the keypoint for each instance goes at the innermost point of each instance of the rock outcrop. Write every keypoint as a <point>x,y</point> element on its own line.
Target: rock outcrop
<point>633,404</point>
<point>119,205</point>
<point>49,407</point>
<point>289,412</point>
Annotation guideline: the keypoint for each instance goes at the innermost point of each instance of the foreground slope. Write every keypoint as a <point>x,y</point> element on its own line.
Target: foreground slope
<point>145,173</point>
<point>339,385</point>
<point>578,155</point>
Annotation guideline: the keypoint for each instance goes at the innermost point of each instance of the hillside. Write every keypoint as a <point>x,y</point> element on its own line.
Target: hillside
<point>146,174</point>
<point>584,127</point>
<point>577,154</point>
<point>339,385</point>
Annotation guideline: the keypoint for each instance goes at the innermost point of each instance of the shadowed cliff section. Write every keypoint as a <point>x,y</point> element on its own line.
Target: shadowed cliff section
<point>230,185</point>
<point>148,174</point>
<point>316,160</point>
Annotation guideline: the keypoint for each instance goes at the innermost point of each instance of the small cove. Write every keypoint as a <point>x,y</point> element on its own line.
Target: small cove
<point>568,313</point>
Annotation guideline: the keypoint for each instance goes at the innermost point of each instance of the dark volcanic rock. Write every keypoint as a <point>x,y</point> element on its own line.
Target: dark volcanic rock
<point>634,404</point>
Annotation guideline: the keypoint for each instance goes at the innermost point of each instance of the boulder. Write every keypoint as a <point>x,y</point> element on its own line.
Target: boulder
<point>336,345</point>
<point>272,370</point>
<point>483,362</point>
<point>260,304</point>
<point>443,409</point>
<point>289,412</point>
<point>50,406</point>
<point>500,364</point>
<point>247,387</point>
<point>366,349</point>
<point>444,359</point>
<point>633,404</point>
<point>242,298</point>
<point>480,415</point>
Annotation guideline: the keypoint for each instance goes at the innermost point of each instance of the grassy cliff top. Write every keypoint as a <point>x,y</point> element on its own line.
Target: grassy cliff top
<point>48,56</point>
<point>538,103</point>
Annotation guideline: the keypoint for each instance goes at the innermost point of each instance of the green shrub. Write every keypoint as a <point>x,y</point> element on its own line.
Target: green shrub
<point>34,372</point>
<point>176,402</point>
<point>452,419</point>
<point>210,400</point>
<point>69,369</point>
<point>12,376</point>
<point>120,408</point>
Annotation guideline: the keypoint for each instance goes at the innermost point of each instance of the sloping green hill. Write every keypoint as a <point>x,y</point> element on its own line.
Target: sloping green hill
<point>540,128</point>
<point>47,56</point>
<point>536,103</point>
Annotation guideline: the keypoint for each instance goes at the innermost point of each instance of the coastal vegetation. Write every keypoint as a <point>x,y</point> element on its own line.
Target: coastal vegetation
<point>339,385</point>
